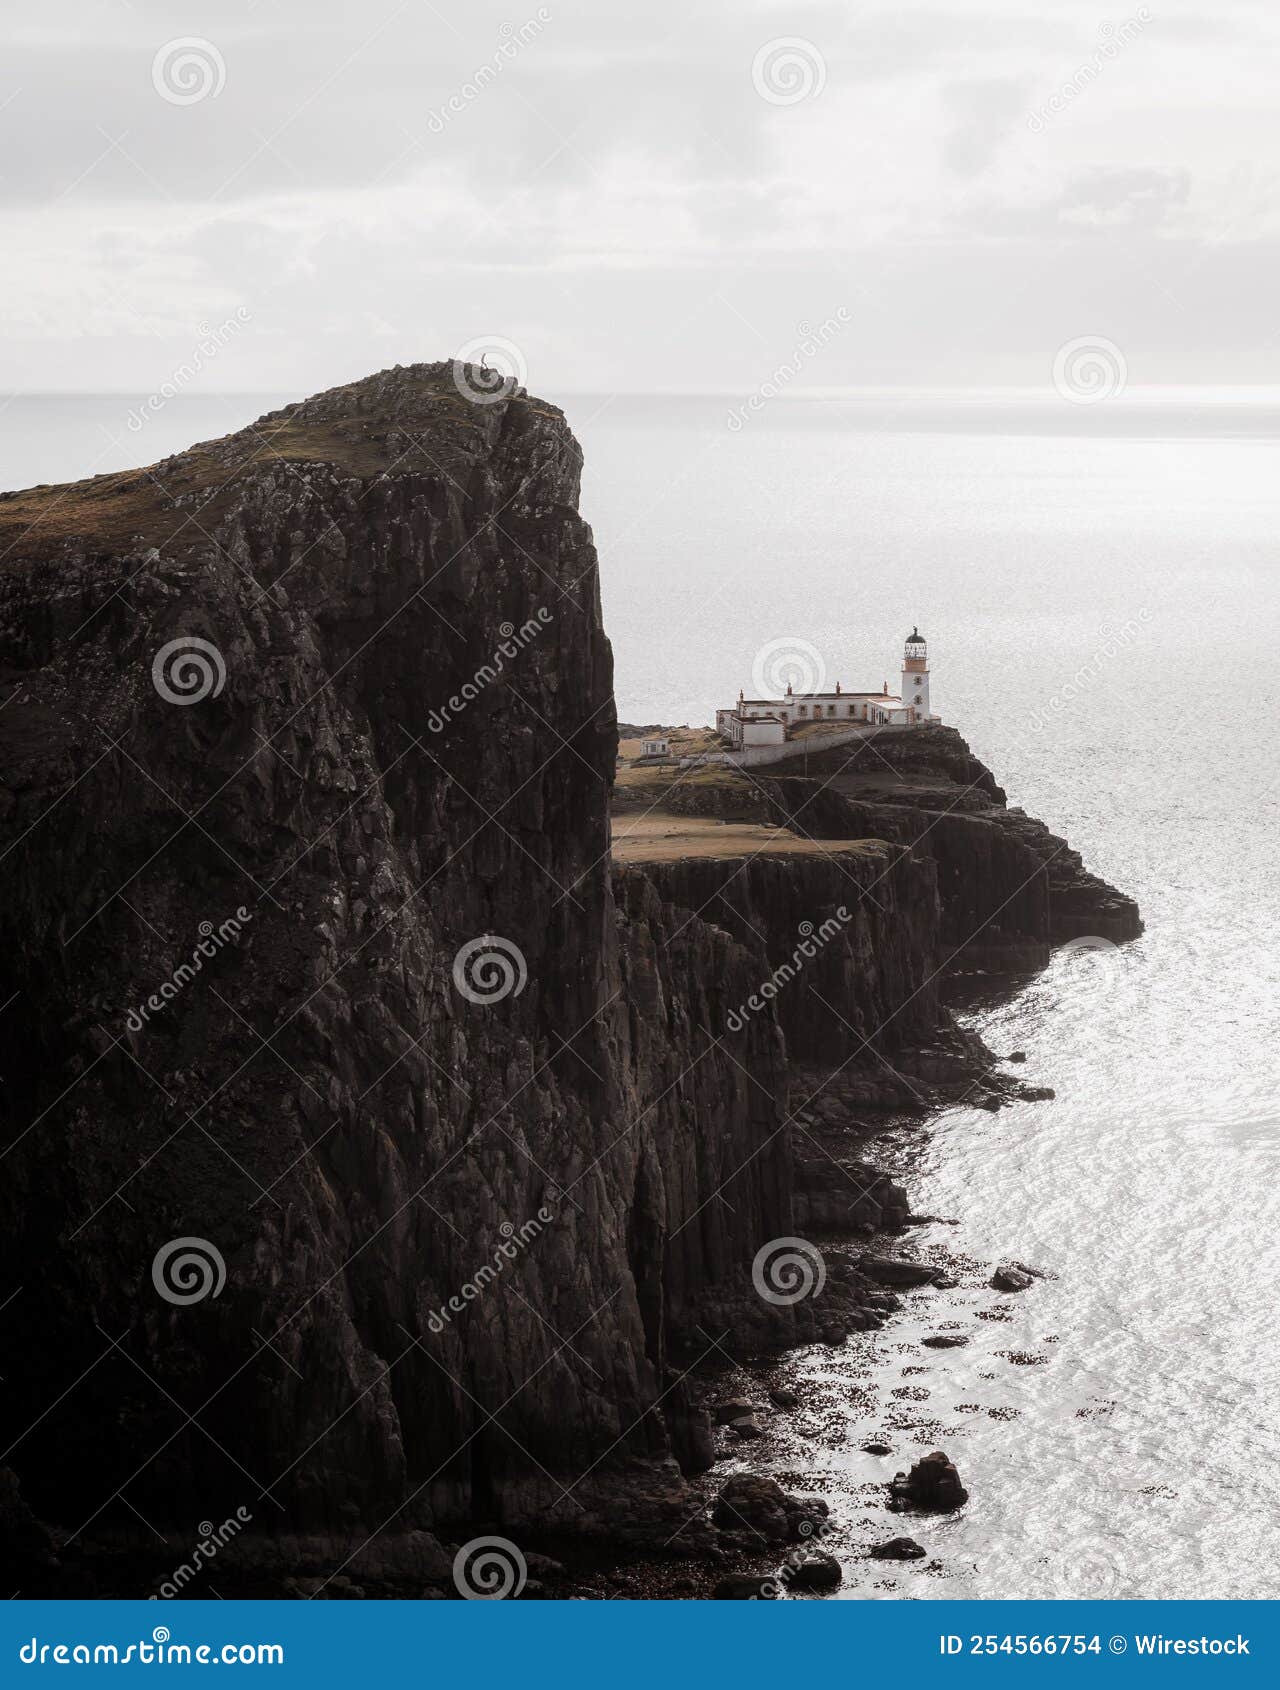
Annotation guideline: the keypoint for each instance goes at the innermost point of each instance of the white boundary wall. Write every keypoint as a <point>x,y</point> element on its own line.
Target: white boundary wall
<point>752,755</point>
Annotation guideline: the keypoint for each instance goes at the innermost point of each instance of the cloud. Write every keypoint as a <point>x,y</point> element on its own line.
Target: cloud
<point>610,185</point>
<point>982,115</point>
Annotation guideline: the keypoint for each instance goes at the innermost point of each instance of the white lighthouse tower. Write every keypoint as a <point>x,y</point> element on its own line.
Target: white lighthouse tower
<point>915,675</point>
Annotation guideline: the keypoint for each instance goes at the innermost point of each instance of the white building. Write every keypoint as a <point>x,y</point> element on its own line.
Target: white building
<point>659,746</point>
<point>771,721</point>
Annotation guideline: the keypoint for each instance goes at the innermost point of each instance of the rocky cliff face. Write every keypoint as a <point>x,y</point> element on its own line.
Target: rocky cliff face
<point>375,1159</point>
<point>1009,888</point>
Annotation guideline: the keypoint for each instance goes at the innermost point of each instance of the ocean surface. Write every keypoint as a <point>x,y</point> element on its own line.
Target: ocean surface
<point>1099,589</point>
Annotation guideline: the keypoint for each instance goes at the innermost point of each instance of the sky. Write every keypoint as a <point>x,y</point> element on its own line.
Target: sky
<point>280,195</point>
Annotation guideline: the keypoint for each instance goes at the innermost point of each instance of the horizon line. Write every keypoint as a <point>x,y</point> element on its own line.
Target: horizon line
<point>1246,392</point>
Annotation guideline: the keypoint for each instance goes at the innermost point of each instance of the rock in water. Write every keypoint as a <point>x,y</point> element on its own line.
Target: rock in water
<point>932,1484</point>
<point>899,1549</point>
<point>1007,1277</point>
<point>815,1572</point>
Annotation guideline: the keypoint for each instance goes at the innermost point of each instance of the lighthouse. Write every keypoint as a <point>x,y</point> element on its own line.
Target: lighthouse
<point>755,725</point>
<point>915,675</point>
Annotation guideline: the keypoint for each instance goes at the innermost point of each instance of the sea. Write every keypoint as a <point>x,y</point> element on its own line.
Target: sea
<point>1098,586</point>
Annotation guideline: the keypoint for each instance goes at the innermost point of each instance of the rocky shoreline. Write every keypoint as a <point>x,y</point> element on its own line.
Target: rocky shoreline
<point>479,1132</point>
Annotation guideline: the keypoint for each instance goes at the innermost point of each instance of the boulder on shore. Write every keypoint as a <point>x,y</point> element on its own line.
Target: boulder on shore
<point>746,1428</point>
<point>896,1270</point>
<point>815,1572</point>
<point>1007,1277</point>
<point>746,1589</point>
<point>899,1549</point>
<point>749,1502</point>
<point>737,1408</point>
<point>932,1484</point>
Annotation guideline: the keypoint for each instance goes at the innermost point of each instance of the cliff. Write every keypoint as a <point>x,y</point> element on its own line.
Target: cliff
<point>1008,888</point>
<point>377,1155</point>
